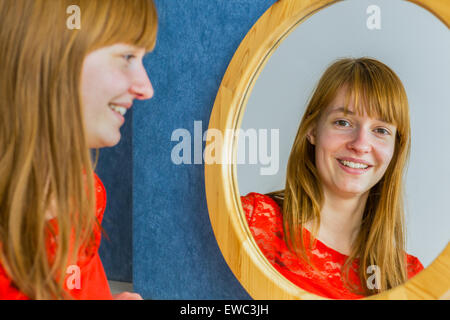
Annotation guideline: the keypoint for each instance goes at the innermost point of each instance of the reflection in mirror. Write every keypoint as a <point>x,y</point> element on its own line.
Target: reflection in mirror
<point>333,168</point>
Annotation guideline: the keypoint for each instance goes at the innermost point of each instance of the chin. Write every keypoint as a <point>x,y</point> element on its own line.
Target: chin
<point>111,142</point>
<point>352,191</point>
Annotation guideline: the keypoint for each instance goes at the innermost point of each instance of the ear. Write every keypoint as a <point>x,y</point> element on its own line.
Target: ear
<point>311,135</point>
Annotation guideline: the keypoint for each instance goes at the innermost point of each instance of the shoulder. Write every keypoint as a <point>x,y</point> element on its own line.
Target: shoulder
<point>414,266</point>
<point>265,222</point>
<point>257,203</point>
<point>259,199</point>
<point>261,211</point>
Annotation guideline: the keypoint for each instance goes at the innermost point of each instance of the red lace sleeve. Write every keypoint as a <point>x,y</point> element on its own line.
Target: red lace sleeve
<point>263,218</point>
<point>414,266</point>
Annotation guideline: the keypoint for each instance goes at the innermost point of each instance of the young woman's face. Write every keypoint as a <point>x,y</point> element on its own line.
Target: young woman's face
<point>112,77</point>
<point>352,151</point>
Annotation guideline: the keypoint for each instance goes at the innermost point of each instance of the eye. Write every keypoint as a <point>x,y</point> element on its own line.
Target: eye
<point>129,57</point>
<point>342,123</point>
<point>383,131</point>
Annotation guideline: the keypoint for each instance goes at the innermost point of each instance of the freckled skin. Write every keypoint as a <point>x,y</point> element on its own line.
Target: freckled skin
<point>110,74</point>
<point>337,135</point>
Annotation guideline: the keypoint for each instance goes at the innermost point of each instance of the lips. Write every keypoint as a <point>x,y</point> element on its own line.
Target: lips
<point>126,105</point>
<point>356,161</point>
<point>120,108</point>
<point>353,165</point>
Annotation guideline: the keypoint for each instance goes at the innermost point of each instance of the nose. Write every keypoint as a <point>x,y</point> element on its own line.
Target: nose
<point>360,142</point>
<point>141,86</point>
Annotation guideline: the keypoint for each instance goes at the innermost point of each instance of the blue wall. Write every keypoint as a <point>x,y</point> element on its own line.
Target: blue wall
<point>115,170</point>
<point>173,253</point>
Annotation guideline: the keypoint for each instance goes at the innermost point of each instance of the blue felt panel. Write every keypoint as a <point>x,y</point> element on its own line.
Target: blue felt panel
<point>175,254</point>
<point>115,170</point>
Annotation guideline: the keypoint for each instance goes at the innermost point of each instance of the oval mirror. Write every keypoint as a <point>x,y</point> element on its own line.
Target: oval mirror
<point>261,102</point>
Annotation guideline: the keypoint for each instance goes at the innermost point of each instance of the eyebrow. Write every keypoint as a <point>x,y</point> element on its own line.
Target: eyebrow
<point>130,47</point>
<point>342,110</point>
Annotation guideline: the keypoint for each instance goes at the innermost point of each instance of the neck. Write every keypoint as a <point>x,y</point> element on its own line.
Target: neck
<point>340,220</point>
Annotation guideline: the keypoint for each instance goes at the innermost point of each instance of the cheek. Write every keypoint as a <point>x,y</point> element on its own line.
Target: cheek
<point>104,86</point>
<point>100,84</point>
<point>385,152</point>
<point>330,143</point>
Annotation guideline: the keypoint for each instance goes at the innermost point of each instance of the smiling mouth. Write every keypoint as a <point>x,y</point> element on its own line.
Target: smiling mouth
<point>354,165</point>
<point>119,109</point>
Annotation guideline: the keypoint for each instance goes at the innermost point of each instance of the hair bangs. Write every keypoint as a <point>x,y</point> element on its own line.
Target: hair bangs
<point>138,24</point>
<point>374,89</point>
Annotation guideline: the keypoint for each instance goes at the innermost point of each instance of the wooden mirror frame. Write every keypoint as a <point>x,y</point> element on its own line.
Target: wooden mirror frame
<point>247,262</point>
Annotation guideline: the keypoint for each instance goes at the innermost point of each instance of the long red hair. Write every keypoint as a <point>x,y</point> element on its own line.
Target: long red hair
<point>45,162</point>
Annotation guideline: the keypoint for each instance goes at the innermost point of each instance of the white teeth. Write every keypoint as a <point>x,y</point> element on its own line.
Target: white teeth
<point>119,109</point>
<point>353,165</point>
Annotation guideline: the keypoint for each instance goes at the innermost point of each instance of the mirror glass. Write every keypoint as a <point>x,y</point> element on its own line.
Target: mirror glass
<point>415,44</point>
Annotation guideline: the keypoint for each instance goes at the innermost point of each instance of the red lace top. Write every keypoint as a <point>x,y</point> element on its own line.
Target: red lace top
<point>265,221</point>
<point>87,279</point>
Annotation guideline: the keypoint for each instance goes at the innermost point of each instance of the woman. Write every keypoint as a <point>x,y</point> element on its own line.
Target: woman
<point>344,188</point>
<point>63,92</point>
